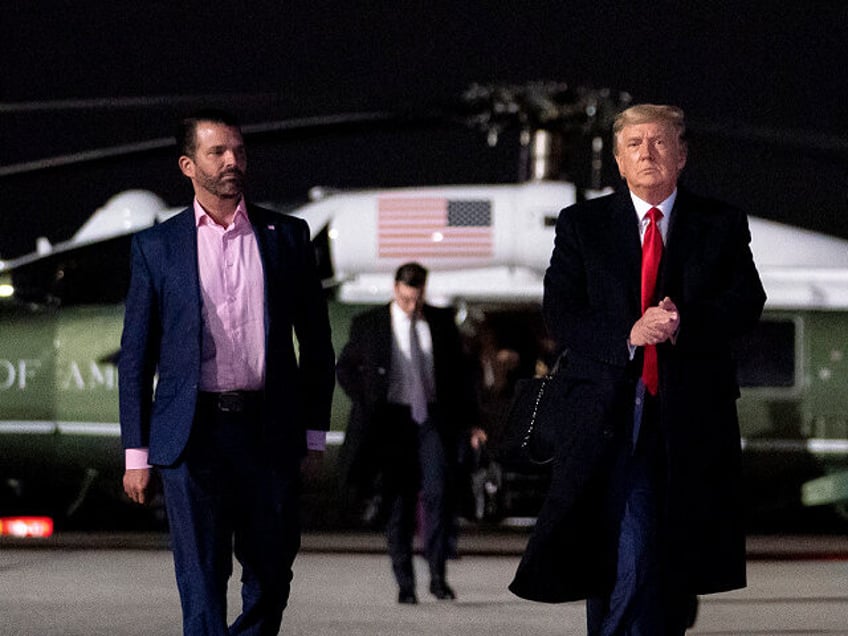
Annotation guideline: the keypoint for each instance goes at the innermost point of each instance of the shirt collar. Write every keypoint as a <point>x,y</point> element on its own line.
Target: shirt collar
<point>398,314</point>
<point>642,207</point>
<point>201,216</point>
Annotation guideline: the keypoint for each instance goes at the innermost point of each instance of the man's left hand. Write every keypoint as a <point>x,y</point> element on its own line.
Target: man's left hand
<point>478,438</point>
<point>667,304</point>
<point>310,465</point>
<point>658,324</point>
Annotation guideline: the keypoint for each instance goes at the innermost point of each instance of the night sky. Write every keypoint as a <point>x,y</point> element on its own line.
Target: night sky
<point>763,85</point>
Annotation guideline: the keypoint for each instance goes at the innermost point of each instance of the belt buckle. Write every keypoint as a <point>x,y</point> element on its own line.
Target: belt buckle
<point>230,402</point>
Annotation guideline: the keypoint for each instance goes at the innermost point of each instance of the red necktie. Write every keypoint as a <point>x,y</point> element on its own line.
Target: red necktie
<point>652,247</point>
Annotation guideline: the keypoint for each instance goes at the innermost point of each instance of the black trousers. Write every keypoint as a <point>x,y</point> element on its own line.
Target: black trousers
<point>416,461</point>
<point>225,496</point>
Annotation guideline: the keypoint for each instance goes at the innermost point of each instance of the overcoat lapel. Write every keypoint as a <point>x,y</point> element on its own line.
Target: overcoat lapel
<point>625,236</point>
<point>437,340</point>
<point>383,337</point>
<point>683,233</point>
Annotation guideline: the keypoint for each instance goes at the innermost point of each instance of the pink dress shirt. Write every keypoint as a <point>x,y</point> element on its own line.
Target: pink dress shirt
<point>232,286</point>
<point>232,290</point>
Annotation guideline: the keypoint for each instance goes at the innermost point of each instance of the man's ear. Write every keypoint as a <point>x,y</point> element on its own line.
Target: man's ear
<point>684,155</point>
<point>186,166</point>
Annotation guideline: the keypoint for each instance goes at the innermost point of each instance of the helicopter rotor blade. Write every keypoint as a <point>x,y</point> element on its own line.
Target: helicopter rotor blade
<point>146,102</point>
<point>581,116</point>
<point>85,156</point>
<point>296,125</point>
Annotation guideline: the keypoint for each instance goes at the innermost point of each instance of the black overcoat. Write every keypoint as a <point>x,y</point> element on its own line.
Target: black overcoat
<point>363,372</point>
<point>591,301</point>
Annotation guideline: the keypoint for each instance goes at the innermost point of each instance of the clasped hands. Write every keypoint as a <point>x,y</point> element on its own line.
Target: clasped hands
<point>657,324</point>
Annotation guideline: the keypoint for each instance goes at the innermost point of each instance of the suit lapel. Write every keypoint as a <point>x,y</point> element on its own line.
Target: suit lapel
<point>185,265</point>
<point>269,253</point>
<point>265,233</point>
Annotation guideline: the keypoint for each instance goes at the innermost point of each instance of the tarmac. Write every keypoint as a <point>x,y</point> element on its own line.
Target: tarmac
<point>123,585</point>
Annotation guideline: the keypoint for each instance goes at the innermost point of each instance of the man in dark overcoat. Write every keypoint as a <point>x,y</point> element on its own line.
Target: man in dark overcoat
<point>396,353</point>
<point>644,508</point>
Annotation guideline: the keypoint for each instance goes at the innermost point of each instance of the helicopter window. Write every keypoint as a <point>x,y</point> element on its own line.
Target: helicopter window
<point>766,357</point>
<point>88,274</point>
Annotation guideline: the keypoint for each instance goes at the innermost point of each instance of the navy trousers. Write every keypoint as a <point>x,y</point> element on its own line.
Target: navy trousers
<point>643,600</point>
<point>225,496</point>
<point>417,462</point>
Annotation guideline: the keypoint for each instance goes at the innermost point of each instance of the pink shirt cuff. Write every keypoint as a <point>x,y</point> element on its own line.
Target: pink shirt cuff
<point>316,440</point>
<point>136,458</point>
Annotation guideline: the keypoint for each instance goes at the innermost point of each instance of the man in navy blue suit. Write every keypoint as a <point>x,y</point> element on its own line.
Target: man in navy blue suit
<point>213,394</point>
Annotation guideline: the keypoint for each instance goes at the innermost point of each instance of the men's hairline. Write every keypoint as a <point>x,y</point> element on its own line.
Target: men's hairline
<point>186,136</point>
<point>671,116</point>
<point>412,274</point>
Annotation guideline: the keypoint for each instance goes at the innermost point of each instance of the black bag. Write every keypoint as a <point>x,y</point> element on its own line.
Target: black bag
<point>535,418</point>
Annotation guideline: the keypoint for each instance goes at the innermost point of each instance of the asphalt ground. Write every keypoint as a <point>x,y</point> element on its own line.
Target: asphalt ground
<point>497,542</point>
<point>123,585</point>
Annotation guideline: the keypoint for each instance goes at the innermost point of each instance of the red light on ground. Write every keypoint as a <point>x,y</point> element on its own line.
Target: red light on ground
<point>37,527</point>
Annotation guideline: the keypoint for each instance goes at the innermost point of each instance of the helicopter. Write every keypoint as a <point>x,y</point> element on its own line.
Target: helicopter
<point>487,247</point>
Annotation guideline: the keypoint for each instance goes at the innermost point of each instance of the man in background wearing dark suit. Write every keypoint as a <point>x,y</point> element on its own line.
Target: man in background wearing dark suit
<point>215,295</point>
<point>646,289</point>
<point>413,403</point>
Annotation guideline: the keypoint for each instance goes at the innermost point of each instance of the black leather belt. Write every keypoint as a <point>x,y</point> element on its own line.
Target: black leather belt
<point>229,401</point>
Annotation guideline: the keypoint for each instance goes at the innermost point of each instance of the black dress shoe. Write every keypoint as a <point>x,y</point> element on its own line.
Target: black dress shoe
<point>407,597</point>
<point>442,591</point>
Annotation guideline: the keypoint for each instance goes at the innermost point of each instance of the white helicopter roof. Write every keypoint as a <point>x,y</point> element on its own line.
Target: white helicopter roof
<point>124,213</point>
<point>800,269</point>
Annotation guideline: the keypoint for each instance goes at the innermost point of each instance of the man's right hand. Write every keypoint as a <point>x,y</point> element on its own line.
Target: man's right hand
<point>137,484</point>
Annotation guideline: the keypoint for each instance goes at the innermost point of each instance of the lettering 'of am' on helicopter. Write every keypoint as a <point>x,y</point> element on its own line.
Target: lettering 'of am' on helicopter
<point>487,247</point>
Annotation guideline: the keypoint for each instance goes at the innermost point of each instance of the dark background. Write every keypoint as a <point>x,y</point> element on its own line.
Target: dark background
<point>763,85</point>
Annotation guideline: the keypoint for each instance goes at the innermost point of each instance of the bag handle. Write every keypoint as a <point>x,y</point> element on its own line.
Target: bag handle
<point>539,395</point>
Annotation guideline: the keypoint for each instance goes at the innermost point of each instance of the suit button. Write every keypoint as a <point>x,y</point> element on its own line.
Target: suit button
<point>608,433</point>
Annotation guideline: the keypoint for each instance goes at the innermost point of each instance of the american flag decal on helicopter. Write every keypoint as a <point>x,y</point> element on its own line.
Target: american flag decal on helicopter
<point>434,227</point>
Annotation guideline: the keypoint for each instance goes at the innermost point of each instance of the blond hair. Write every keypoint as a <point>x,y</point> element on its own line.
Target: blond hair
<point>649,114</point>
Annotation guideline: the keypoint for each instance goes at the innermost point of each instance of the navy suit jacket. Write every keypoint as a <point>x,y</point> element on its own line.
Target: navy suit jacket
<point>162,338</point>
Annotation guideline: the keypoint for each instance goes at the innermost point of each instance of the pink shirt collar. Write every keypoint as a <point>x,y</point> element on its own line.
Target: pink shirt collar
<point>201,216</point>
